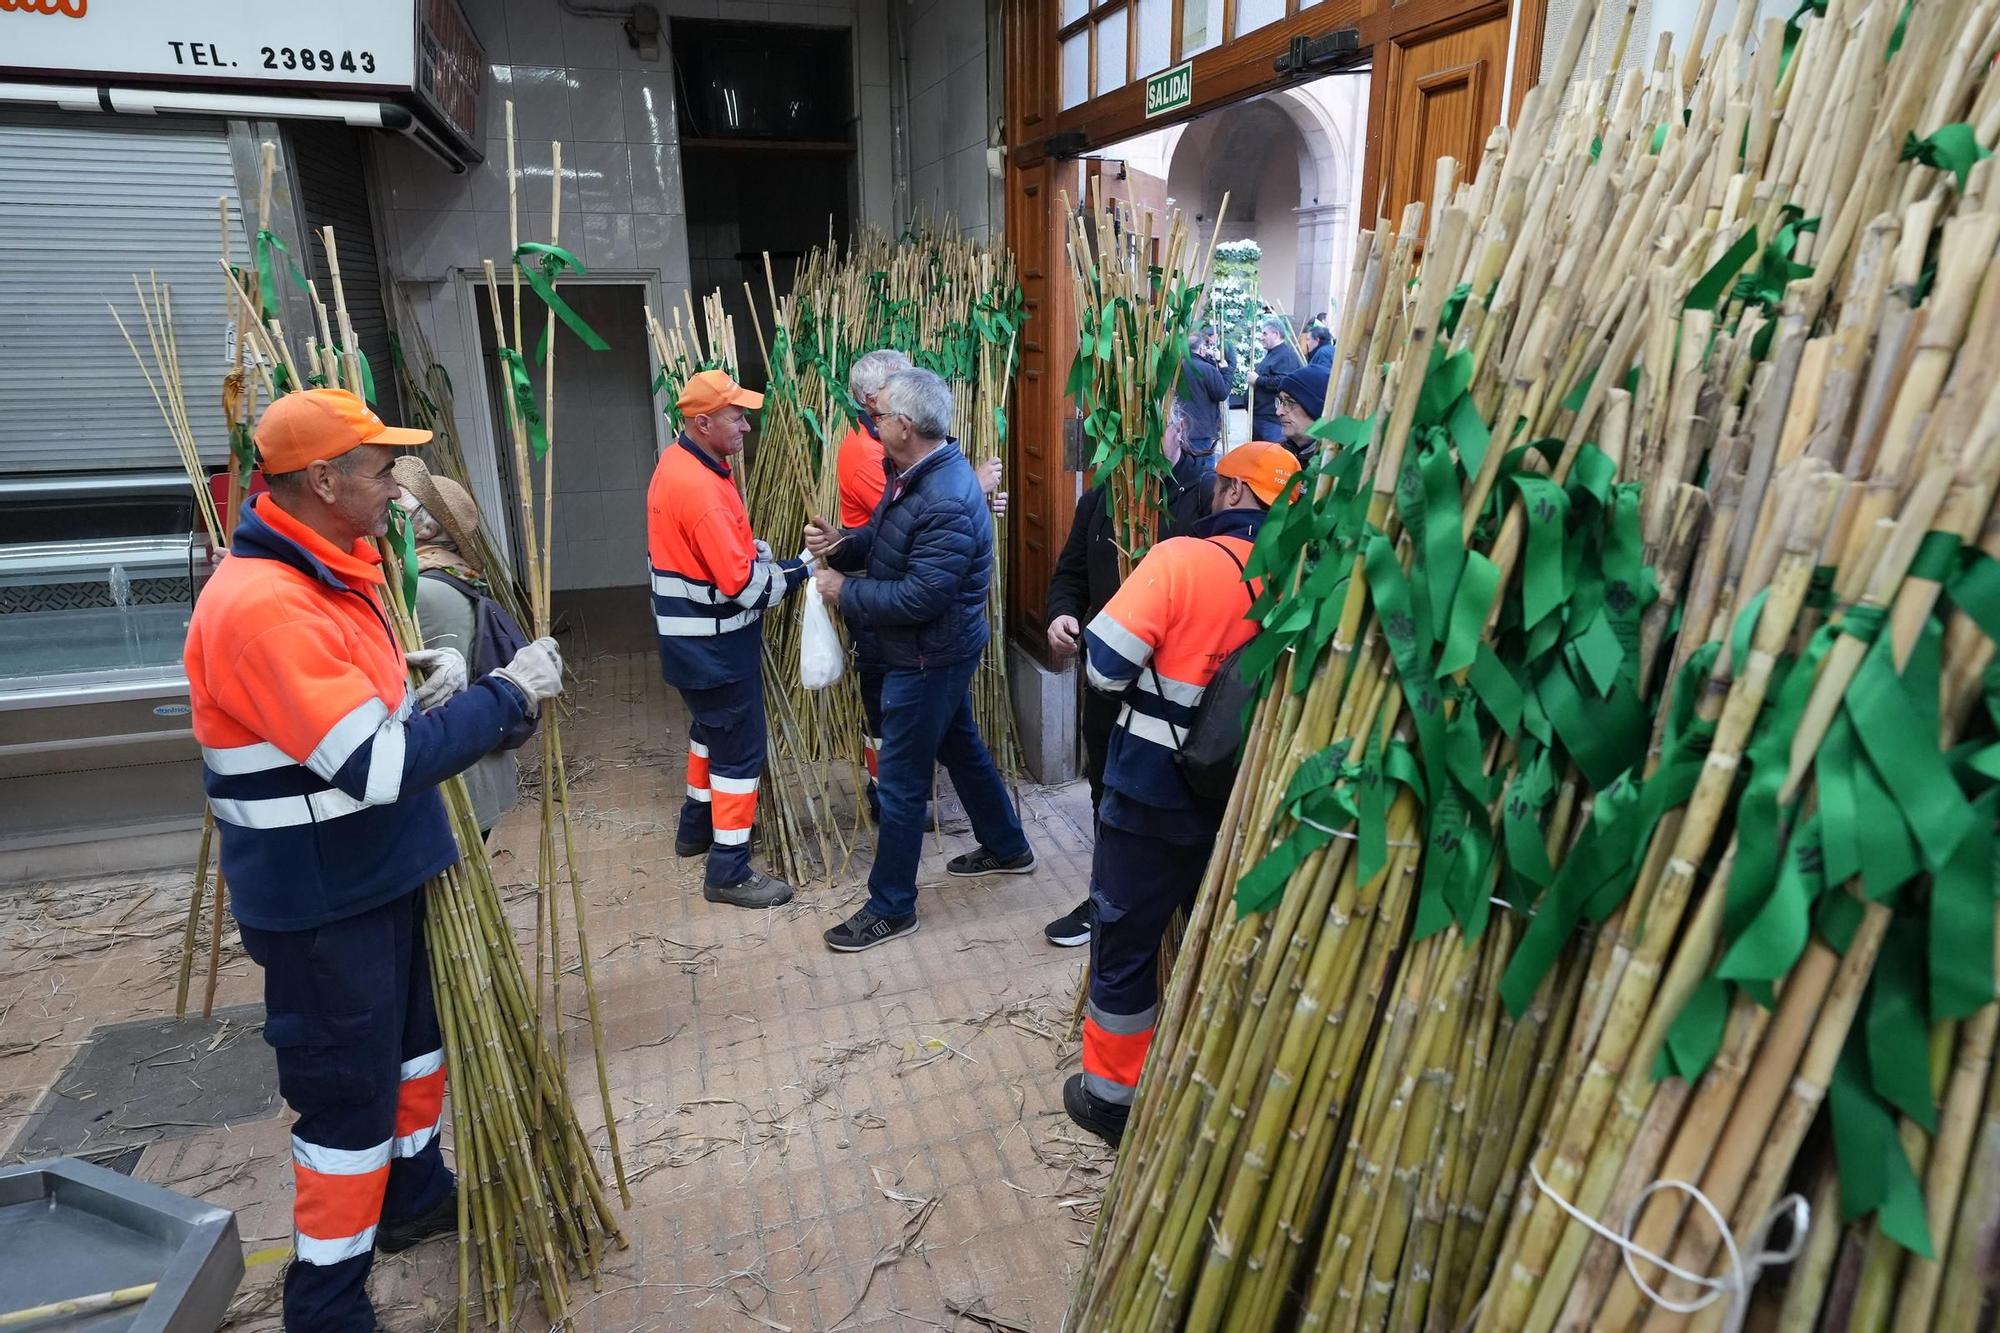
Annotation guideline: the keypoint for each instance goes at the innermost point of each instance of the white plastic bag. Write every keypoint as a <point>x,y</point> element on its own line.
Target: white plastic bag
<point>822,657</point>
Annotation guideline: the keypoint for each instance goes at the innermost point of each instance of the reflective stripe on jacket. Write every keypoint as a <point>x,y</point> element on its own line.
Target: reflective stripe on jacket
<point>709,588</point>
<point>1158,642</point>
<point>322,780</point>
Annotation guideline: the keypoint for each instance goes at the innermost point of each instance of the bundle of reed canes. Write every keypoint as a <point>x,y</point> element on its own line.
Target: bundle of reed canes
<point>532,1202</point>
<point>955,308</point>
<point>1617,812</point>
<point>1137,294</point>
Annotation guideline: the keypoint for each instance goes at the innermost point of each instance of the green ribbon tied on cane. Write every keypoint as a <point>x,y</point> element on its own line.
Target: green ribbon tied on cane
<point>403,541</point>
<point>242,451</point>
<point>541,265</point>
<point>268,242</point>
<point>1952,148</point>
<point>521,393</point>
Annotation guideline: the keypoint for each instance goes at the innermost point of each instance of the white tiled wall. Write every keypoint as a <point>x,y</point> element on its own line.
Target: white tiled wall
<point>576,79</point>
<point>950,114</point>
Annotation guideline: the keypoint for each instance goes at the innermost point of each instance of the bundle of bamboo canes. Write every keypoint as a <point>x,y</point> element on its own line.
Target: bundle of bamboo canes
<point>1621,806</point>
<point>1136,297</point>
<point>532,1203</point>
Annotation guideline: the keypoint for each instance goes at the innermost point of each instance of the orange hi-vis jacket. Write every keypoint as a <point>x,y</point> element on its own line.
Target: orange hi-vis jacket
<point>322,779</point>
<point>862,477</point>
<point>710,589</point>
<point>1159,640</point>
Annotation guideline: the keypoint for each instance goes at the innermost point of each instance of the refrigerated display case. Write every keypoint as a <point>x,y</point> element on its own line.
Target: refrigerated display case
<point>98,577</point>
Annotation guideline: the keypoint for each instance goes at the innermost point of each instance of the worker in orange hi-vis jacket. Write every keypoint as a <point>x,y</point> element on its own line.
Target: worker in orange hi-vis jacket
<point>1157,644</point>
<point>321,767</point>
<point>712,583</point>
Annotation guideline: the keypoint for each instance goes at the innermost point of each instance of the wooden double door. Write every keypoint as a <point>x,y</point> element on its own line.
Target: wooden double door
<point>1439,79</point>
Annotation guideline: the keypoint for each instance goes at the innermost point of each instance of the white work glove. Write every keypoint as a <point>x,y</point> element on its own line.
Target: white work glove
<point>536,671</point>
<point>808,559</point>
<point>763,549</point>
<point>443,671</point>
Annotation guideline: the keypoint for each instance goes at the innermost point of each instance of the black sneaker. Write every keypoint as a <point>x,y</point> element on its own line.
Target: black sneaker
<point>755,891</point>
<point>692,846</point>
<point>441,1220</point>
<point>1071,929</point>
<point>982,862</point>
<point>865,930</point>
<point>1102,1118</point>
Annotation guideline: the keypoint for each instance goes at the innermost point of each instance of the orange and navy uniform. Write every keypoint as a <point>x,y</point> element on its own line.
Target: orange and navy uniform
<point>710,589</point>
<point>323,783</point>
<point>1157,643</point>
<point>858,467</point>
<point>322,779</point>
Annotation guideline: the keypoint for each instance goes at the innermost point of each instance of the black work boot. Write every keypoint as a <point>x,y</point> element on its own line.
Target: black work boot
<point>441,1220</point>
<point>1102,1118</point>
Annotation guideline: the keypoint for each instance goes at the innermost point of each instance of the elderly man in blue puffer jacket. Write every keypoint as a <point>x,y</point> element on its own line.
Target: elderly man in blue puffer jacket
<point>928,556</point>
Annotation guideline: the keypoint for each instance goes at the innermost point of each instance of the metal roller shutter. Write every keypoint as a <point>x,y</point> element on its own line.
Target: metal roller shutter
<point>86,202</point>
<point>328,162</point>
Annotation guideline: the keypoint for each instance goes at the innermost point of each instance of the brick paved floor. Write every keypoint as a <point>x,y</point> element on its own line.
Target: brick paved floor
<point>789,1115</point>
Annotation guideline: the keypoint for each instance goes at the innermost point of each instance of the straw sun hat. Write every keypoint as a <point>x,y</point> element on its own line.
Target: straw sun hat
<point>449,503</point>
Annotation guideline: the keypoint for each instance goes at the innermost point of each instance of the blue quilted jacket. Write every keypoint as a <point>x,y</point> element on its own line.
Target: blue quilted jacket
<point>928,558</point>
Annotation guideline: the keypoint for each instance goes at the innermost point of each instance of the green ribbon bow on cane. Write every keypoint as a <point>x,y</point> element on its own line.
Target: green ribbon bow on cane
<point>541,265</point>
<point>242,451</point>
<point>523,394</point>
<point>1950,148</point>
<point>267,286</point>
<point>403,540</point>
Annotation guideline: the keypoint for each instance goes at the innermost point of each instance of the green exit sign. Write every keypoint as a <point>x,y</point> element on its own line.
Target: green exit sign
<point>1170,91</point>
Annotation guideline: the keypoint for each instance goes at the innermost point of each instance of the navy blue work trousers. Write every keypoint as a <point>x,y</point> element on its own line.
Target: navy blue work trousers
<point>348,1009</point>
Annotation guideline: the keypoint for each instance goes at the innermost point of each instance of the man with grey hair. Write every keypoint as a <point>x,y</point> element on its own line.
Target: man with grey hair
<point>1280,360</point>
<point>928,555</point>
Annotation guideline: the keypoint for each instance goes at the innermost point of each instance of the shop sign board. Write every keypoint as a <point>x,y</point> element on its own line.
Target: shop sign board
<point>324,46</point>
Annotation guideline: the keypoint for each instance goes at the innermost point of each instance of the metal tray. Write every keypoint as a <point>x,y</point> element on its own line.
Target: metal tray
<point>70,1229</point>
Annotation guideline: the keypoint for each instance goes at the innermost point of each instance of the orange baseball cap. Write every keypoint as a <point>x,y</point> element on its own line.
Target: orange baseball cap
<point>1265,467</point>
<point>323,423</point>
<point>713,390</point>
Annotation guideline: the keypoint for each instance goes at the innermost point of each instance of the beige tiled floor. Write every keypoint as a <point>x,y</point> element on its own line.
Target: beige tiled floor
<point>816,1140</point>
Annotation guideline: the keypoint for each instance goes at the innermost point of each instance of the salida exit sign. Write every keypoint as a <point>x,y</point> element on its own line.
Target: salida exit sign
<point>1170,90</point>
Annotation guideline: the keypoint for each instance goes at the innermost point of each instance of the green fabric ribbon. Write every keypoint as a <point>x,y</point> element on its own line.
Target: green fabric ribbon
<point>403,541</point>
<point>522,392</point>
<point>1709,290</point>
<point>541,265</point>
<point>1961,919</point>
<point>1875,1174</point>
<point>1794,29</point>
<point>1696,1034</point>
<point>1895,1029</point>
<point>242,451</point>
<point>267,285</point>
<point>1952,148</point>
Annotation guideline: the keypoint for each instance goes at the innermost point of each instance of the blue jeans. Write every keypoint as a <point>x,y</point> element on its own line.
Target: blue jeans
<point>926,720</point>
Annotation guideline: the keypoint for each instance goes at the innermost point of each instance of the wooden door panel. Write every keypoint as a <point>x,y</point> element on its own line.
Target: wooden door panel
<point>1043,492</point>
<point>1439,96</point>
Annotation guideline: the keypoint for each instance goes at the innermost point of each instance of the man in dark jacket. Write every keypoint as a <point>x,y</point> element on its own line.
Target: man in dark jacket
<point>1280,359</point>
<point>1206,374</point>
<point>1085,577</point>
<point>1319,337</point>
<point>929,560</point>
